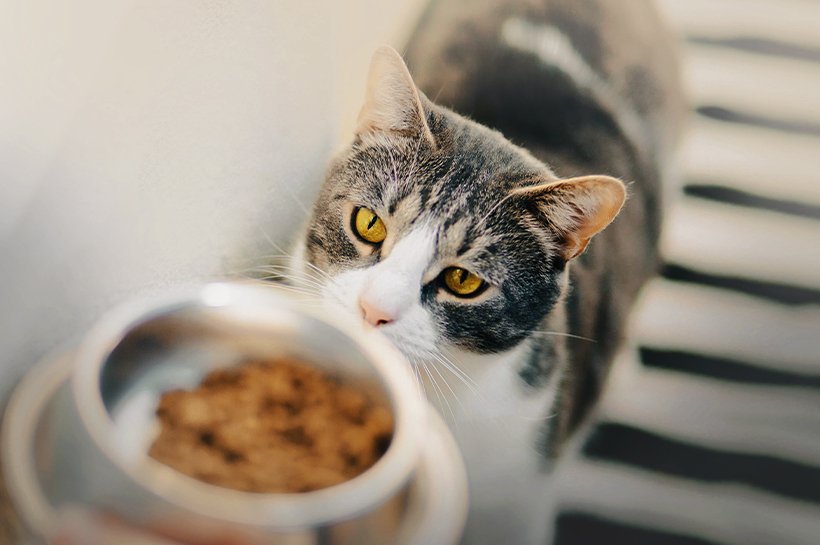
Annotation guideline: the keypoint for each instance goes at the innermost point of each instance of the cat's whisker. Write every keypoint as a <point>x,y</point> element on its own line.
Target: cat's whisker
<point>286,271</point>
<point>453,367</point>
<point>283,255</point>
<point>310,294</point>
<point>270,261</point>
<point>450,365</point>
<point>276,246</point>
<point>442,399</point>
<point>276,280</point>
<point>272,243</point>
<point>274,256</point>
<point>455,396</point>
<point>296,199</point>
<point>561,334</point>
<point>306,289</point>
<point>321,281</point>
<point>414,364</point>
<point>288,263</point>
<point>319,271</point>
<point>458,373</point>
<point>292,280</point>
<point>539,418</point>
<point>271,266</point>
<point>312,272</point>
<point>420,357</point>
<point>248,272</point>
<point>540,332</point>
<point>266,259</point>
<point>289,257</point>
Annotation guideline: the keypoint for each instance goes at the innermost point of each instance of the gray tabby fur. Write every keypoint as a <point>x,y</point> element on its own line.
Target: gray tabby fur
<point>454,191</point>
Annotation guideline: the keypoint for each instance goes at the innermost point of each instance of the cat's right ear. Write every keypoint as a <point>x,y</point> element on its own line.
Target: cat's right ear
<point>575,208</point>
<point>392,102</point>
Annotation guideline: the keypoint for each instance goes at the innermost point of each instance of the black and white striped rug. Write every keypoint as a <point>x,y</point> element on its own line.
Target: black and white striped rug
<point>709,432</point>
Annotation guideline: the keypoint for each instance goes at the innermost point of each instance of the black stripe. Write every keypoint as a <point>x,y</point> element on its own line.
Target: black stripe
<point>723,369</point>
<point>762,46</point>
<point>627,445</point>
<point>720,193</point>
<point>780,293</point>
<point>720,113</point>
<point>577,528</point>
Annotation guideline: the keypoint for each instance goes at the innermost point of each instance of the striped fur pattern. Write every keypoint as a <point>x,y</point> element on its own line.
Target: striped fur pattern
<point>510,175</point>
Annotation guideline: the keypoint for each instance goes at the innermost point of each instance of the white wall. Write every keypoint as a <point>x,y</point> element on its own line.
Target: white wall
<point>147,144</point>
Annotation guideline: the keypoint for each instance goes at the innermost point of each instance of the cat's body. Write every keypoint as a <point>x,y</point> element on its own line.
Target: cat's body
<point>424,198</point>
<point>587,86</point>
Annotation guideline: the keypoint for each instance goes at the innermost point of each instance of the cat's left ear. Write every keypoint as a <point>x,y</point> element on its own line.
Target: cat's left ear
<point>576,208</point>
<point>392,101</point>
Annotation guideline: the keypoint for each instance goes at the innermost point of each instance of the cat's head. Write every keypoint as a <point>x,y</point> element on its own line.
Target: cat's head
<point>440,232</point>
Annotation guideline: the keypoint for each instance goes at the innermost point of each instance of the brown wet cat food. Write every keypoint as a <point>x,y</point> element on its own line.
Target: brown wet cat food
<point>278,426</point>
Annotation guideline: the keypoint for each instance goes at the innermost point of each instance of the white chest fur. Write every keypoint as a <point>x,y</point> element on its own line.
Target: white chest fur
<point>497,421</point>
<point>494,416</point>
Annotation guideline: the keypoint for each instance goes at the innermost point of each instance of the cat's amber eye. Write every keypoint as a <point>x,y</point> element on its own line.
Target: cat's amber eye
<point>462,282</point>
<point>368,226</point>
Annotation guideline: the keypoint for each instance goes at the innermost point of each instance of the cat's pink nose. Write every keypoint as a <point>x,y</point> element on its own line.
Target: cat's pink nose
<point>374,315</point>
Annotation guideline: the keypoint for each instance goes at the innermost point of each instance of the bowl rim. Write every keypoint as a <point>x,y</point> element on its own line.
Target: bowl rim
<point>343,501</point>
<point>24,410</point>
<point>436,513</point>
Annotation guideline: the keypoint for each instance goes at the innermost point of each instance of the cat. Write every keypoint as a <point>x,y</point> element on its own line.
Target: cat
<point>470,248</point>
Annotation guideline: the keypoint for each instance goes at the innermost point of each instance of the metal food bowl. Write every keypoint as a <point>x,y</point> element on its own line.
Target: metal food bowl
<point>79,426</point>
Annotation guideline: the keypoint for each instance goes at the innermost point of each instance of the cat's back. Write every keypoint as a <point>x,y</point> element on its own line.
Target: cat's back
<point>545,71</point>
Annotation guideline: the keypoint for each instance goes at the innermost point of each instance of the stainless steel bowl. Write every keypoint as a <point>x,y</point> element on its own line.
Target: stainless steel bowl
<point>78,428</point>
